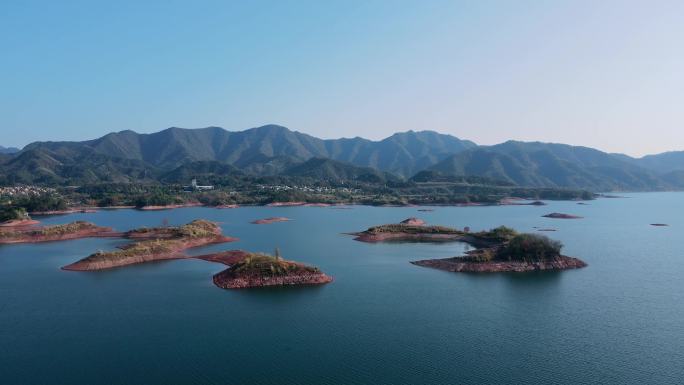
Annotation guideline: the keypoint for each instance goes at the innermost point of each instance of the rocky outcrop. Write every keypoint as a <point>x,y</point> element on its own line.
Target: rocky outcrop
<point>230,280</point>
<point>259,270</point>
<point>413,222</point>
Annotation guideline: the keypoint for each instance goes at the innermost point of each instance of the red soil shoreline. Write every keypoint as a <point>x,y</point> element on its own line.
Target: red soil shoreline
<point>225,280</point>
<point>458,264</point>
<point>36,235</point>
<point>176,253</point>
<point>75,210</point>
<point>19,223</point>
<point>169,207</point>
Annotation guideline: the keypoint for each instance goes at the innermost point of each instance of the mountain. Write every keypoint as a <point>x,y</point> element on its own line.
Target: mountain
<point>402,153</point>
<point>206,172</point>
<point>332,170</point>
<point>8,150</point>
<point>664,163</point>
<point>176,155</point>
<point>76,165</point>
<point>537,164</point>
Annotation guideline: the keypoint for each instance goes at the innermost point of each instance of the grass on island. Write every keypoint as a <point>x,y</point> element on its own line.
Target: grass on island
<point>259,264</point>
<point>171,239</point>
<point>149,247</point>
<point>412,229</point>
<point>55,230</point>
<point>199,228</point>
<point>499,234</point>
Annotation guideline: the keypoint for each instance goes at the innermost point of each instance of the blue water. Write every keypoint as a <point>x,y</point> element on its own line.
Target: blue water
<point>382,321</point>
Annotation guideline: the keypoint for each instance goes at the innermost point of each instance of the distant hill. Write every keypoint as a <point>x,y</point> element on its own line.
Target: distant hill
<point>664,163</point>
<point>402,153</point>
<point>538,164</point>
<point>176,155</point>
<point>206,172</point>
<point>8,150</point>
<point>72,166</point>
<point>332,170</point>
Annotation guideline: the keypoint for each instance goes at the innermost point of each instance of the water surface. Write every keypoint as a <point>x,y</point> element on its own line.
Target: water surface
<point>382,321</point>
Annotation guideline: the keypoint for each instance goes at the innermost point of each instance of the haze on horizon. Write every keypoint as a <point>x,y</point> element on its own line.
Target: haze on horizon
<point>605,75</point>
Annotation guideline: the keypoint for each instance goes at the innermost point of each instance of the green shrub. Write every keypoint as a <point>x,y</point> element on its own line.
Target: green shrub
<point>530,248</point>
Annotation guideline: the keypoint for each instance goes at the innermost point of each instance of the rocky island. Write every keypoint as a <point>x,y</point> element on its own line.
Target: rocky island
<point>154,244</point>
<point>260,270</point>
<point>415,230</point>
<point>245,269</point>
<point>497,250</point>
<point>512,252</point>
<point>34,234</point>
<point>267,221</point>
<point>561,216</point>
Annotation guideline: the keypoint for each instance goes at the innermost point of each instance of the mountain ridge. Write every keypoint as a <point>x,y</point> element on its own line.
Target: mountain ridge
<point>275,150</point>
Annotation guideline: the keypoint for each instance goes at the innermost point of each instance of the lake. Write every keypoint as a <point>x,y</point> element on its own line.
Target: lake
<point>382,321</point>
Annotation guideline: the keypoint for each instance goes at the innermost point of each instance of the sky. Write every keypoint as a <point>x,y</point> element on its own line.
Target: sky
<point>606,74</point>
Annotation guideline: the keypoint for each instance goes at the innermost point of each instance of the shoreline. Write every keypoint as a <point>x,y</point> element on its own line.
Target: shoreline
<point>513,201</point>
<point>462,265</point>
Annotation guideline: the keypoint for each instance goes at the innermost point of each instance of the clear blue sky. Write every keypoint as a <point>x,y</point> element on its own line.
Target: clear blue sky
<point>607,74</point>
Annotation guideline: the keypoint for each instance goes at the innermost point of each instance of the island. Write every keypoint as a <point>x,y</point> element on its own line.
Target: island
<point>261,270</point>
<point>35,234</point>
<point>659,224</point>
<point>519,253</point>
<point>414,230</point>
<point>266,221</point>
<point>154,244</point>
<point>497,250</point>
<point>561,216</point>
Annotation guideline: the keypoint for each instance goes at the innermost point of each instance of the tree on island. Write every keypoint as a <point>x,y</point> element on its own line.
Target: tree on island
<point>531,248</point>
<point>277,255</point>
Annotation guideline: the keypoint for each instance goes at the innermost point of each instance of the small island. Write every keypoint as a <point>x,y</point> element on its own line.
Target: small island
<point>154,244</point>
<point>415,230</point>
<point>69,231</point>
<point>261,270</point>
<point>270,220</point>
<point>497,250</point>
<point>515,253</point>
<point>561,216</point>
